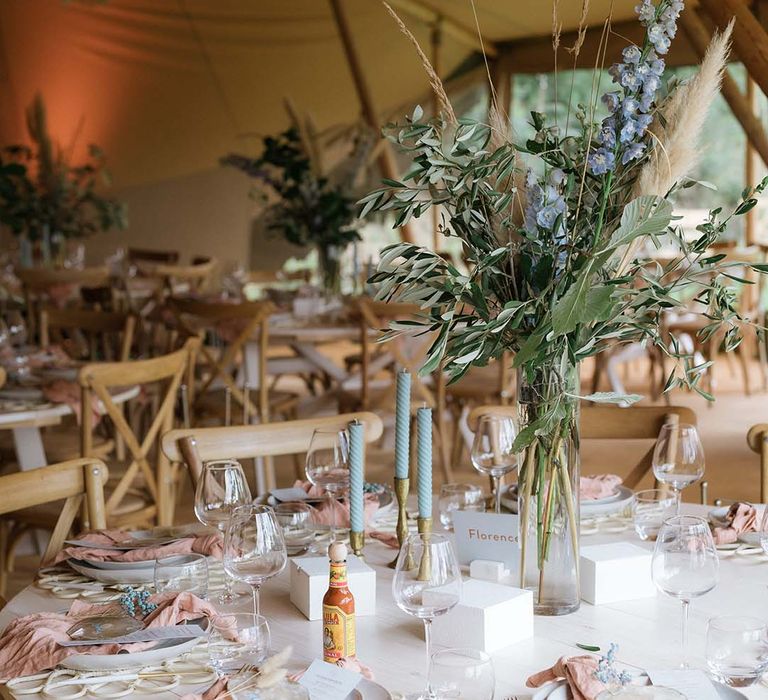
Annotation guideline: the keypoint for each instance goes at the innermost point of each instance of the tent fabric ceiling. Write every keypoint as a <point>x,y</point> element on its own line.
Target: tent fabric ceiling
<point>165,87</point>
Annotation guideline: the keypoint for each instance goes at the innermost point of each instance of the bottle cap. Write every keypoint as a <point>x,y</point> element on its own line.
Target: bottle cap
<point>337,551</point>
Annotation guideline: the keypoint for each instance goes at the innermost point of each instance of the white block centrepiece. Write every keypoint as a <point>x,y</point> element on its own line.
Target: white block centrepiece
<point>489,617</point>
<point>614,572</point>
<point>309,582</point>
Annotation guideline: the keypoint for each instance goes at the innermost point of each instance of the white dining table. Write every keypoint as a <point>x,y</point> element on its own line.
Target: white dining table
<point>26,427</point>
<point>391,642</point>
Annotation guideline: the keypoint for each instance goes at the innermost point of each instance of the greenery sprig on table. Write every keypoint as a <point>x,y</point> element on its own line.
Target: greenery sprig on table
<point>557,233</point>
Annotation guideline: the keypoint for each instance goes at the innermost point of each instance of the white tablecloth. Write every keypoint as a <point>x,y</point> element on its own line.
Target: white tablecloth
<point>391,642</point>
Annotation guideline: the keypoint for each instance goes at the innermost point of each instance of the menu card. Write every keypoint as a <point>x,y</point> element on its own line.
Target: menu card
<point>328,682</point>
<point>689,682</point>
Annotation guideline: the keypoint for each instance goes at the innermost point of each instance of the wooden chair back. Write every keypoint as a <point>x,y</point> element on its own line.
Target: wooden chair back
<point>105,335</point>
<point>162,374</point>
<point>170,257</point>
<point>199,445</point>
<point>407,352</point>
<point>72,481</point>
<point>196,276</point>
<point>248,320</point>
<point>614,423</point>
<point>757,439</point>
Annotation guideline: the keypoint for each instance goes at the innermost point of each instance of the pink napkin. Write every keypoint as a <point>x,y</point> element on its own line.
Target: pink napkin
<point>578,672</point>
<point>386,538</point>
<point>62,391</point>
<point>30,644</point>
<point>599,486</point>
<point>324,514</point>
<point>210,545</point>
<point>741,517</point>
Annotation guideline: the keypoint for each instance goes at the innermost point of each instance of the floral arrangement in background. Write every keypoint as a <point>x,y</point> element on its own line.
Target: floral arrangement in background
<point>43,195</point>
<point>558,232</point>
<point>304,204</point>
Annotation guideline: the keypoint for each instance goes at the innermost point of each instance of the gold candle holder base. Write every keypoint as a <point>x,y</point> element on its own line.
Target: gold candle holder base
<point>401,492</point>
<point>357,542</point>
<point>425,565</point>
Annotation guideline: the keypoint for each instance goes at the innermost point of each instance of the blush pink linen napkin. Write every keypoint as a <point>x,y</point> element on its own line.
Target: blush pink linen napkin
<point>741,518</point>
<point>577,671</point>
<point>62,391</point>
<point>210,545</point>
<point>30,644</point>
<point>599,486</point>
<point>324,515</point>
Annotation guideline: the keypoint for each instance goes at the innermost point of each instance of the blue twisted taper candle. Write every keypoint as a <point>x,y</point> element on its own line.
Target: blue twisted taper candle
<point>402,424</point>
<point>356,476</point>
<point>424,452</point>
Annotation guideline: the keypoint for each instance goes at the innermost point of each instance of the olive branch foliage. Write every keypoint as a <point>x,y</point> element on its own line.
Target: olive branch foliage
<point>548,301</point>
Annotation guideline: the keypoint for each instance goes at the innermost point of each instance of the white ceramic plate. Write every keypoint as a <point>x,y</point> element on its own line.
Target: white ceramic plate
<point>118,565</point>
<point>164,651</point>
<point>558,690</point>
<point>616,504</point>
<point>368,690</point>
<point>127,576</point>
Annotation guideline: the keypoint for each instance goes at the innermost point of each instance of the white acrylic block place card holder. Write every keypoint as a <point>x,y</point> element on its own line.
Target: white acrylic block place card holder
<point>614,572</point>
<point>489,617</point>
<point>309,582</point>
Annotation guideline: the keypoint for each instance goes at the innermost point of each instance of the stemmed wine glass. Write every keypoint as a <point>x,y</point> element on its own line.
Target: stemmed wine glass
<point>685,564</point>
<point>221,488</point>
<point>327,466</point>
<point>254,548</point>
<point>427,583</point>
<point>678,458</point>
<point>492,449</point>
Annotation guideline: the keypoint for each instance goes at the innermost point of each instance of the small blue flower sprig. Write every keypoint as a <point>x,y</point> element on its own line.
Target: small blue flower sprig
<point>134,598</point>
<point>606,671</point>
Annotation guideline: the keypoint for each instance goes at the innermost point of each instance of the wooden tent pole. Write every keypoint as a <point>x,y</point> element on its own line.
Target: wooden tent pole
<point>386,158</point>
<point>437,40</point>
<point>699,36</point>
<point>749,37</point>
<point>749,168</point>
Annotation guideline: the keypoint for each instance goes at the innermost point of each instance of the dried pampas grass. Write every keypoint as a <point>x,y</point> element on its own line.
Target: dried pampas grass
<point>677,141</point>
<point>434,78</point>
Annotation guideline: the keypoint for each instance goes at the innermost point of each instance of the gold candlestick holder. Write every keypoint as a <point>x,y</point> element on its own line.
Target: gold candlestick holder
<point>425,565</point>
<point>401,492</point>
<point>357,542</point>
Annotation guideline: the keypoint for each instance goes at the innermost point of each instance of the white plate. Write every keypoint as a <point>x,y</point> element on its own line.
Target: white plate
<point>117,565</point>
<point>164,651</point>
<point>617,503</point>
<point>368,690</point>
<point>558,690</point>
<point>126,576</point>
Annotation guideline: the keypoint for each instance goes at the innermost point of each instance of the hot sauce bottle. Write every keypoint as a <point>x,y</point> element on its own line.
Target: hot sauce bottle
<point>338,609</point>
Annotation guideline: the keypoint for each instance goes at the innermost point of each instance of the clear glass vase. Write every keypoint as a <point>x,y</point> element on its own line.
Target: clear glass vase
<point>548,487</point>
<point>329,258</point>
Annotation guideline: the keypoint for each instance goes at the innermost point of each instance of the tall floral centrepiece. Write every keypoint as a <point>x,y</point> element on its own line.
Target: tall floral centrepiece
<point>556,234</point>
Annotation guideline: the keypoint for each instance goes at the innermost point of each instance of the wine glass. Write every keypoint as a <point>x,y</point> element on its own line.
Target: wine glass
<point>455,497</point>
<point>182,573</point>
<point>678,458</point>
<point>492,450</point>
<point>465,674</point>
<point>685,564</point>
<point>222,487</point>
<point>327,466</point>
<point>427,583</point>
<point>254,547</point>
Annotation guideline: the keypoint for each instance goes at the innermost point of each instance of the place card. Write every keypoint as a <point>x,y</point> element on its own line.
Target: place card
<point>690,682</point>
<point>326,681</point>
<point>487,536</point>
<point>148,634</point>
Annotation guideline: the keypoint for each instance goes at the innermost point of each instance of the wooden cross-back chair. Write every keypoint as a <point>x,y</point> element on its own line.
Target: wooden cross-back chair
<point>161,376</point>
<point>614,423</point>
<point>42,285</point>
<point>170,257</point>
<point>195,277</point>
<point>74,482</point>
<point>104,335</point>
<point>196,446</point>
<point>403,352</point>
<point>246,322</point>
<point>757,439</point>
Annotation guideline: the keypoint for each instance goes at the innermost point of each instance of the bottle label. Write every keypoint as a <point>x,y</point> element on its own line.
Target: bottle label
<point>338,634</point>
<point>338,576</point>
